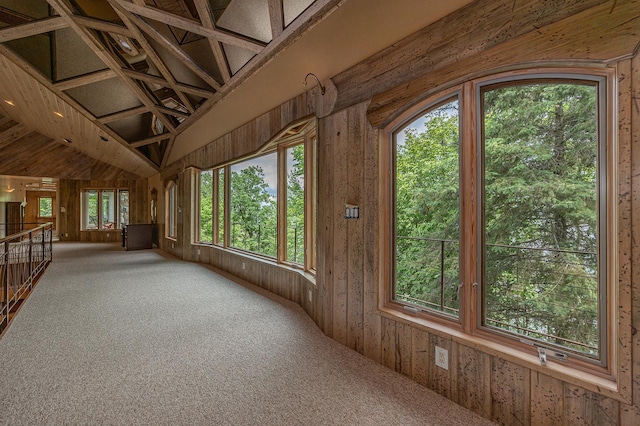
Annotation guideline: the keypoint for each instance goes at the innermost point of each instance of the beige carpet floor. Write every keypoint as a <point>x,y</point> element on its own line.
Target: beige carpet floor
<point>110,337</point>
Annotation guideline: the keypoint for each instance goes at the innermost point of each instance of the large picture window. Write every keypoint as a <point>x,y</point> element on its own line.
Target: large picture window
<point>263,204</point>
<point>104,209</point>
<point>541,240</point>
<point>428,210</point>
<point>253,204</point>
<point>500,213</point>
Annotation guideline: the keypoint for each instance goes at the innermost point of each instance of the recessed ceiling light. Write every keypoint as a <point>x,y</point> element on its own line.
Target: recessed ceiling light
<point>104,138</point>
<point>58,114</point>
<point>10,102</point>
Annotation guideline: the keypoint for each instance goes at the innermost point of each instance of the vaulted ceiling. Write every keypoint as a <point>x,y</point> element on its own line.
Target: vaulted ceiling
<point>120,80</point>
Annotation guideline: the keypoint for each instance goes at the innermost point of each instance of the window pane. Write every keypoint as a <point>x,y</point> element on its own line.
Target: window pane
<point>295,204</point>
<point>220,209</point>
<point>428,212</point>
<point>45,207</point>
<point>171,220</point>
<point>123,207</point>
<point>253,201</point>
<point>540,213</point>
<point>90,213</point>
<point>108,209</point>
<point>206,206</point>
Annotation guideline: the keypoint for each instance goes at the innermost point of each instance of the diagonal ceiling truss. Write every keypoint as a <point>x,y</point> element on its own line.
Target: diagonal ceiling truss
<point>143,70</point>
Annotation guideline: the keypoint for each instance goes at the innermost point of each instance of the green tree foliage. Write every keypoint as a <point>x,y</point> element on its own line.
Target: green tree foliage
<point>540,212</point>
<point>539,217</point>
<point>427,212</point>
<point>253,212</point>
<point>295,206</point>
<point>206,206</point>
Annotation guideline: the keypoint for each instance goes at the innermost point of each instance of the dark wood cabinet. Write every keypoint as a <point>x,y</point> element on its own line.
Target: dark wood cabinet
<point>138,236</point>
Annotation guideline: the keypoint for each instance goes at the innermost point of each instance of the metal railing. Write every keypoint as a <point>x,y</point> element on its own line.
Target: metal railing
<point>23,258</point>
<point>526,261</point>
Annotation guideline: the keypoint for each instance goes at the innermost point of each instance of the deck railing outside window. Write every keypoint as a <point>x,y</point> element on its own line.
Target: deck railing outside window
<point>435,284</point>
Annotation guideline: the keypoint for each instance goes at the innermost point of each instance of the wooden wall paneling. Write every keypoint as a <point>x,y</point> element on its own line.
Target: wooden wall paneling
<point>547,397</point>
<point>338,135</point>
<point>421,359</point>
<point>440,380</point>
<point>356,117</point>
<point>624,229</point>
<point>473,374</point>
<point>464,33</point>
<point>635,239</point>
<point>510,393</point>
<point>369,217</point>
<point>583,407</point>
<point>388,343</point>
<point>404,349</point>
<point>69,220</point>
<point>324,225</point>
<point>335,130</point>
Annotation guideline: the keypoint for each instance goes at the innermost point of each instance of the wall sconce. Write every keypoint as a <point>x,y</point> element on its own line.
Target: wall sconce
<point>322,89</point>
<point>351,211</point>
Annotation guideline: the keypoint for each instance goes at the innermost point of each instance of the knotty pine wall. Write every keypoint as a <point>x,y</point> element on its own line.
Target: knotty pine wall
<point>480,39</point>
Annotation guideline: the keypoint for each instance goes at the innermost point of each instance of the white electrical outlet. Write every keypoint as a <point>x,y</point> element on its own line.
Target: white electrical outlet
<point>442,358</point>
<point>242,265</point>
<point>198,252</point>
<point>310,296</point>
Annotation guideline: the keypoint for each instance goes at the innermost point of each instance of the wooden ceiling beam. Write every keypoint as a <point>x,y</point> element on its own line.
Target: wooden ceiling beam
<point>193,26</point>
<point>149,141</point>
<point>173,112</point>
<point>90,39</point>
<point>176,51</point>
<point>208,21</point>
<point>40,26</point>
<point>152,55</point>
<point>104,26</point>
<point>83,80</point>
<point>123,114</point>
<point>162,82</point>
<point>165,157</point>
<point>276,16</point>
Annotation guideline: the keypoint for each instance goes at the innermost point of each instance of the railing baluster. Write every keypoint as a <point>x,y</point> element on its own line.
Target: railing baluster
<point>30,239</point>
<point>6,283</point>
<point>21,266</point>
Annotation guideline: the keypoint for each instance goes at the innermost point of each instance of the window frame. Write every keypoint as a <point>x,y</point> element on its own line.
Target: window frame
<point>600,376</point>
<point>302,132</point>
<point>171,211</point>
<point>40,198</point>
<point>116,210</point>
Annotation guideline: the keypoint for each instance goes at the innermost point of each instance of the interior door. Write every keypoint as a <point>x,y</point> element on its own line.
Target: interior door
<point>14,218</point>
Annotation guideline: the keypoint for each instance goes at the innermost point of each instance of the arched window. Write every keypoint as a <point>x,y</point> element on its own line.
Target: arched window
<point>502,197</point>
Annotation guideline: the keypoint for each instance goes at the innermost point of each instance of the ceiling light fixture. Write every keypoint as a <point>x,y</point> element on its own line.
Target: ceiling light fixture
<point>67,140</point>
<point>59,114</point>
<point>9,102</point>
